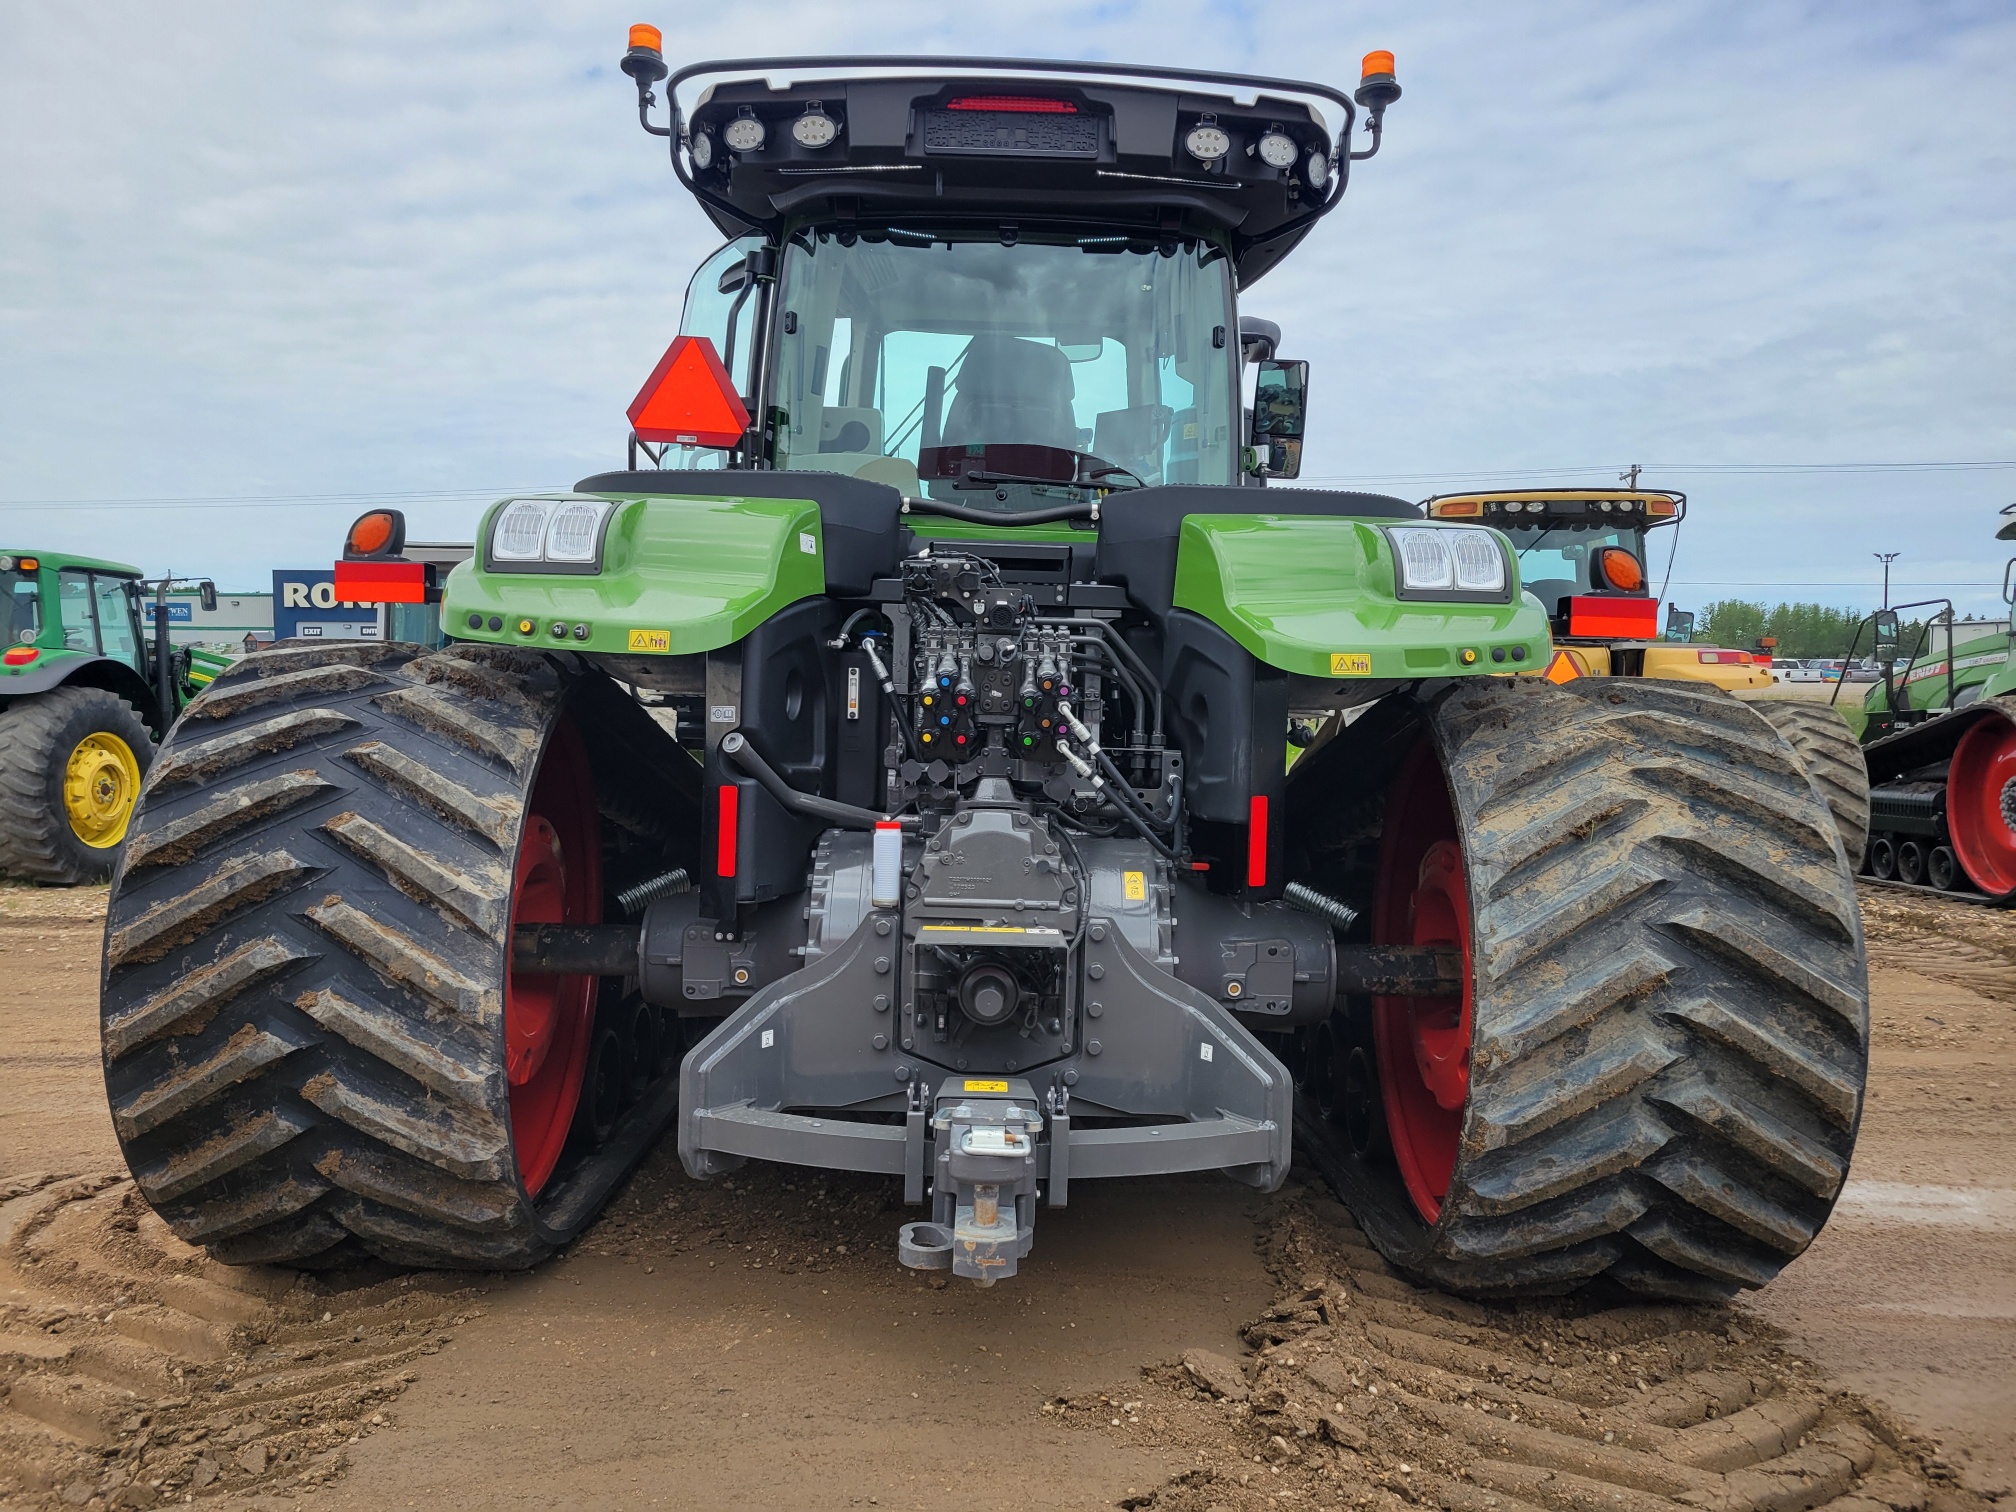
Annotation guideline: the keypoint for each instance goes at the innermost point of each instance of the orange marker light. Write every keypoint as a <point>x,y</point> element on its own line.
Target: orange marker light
<point>1452,509</point>
<point>371,534</point>
<point>1376,63</point>
<point>648,38</point>
<point>1620,569</point>
<point>29,564</point>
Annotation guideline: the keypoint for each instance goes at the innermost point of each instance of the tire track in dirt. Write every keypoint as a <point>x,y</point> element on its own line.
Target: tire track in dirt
<point>1365,1391</point>
<point>136,1370</point>
<point>1964,945</point>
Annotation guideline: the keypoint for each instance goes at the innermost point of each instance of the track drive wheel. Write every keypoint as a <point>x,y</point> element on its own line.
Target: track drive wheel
<point>313,1042</point>
<point>1655,1070</point>
<point>71,765</point>
<point>1981,803</point>
<point>1832,757</point>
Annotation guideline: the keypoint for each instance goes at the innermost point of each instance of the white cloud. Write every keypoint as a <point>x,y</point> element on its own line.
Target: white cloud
<point>268,250</point>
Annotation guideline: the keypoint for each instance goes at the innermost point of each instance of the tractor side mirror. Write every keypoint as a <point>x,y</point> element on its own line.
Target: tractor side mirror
<point>2009,581</point>
<point>1679,624</point>
<point>734,276</point>
<point>1887,634</point>
<point>1280,408</point>
<point>206,591</point>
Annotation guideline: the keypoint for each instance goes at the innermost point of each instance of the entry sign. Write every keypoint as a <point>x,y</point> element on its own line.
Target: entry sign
<point>689,399</point>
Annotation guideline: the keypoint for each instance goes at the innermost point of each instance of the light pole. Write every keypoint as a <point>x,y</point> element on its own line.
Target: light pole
<point>1886,558</point>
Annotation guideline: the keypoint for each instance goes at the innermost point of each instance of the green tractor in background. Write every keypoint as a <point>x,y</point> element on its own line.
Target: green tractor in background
<point>84,696</point>
<point>1940,742</point>
<point>890,779</point>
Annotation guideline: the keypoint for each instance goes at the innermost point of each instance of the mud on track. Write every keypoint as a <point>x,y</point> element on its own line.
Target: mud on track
<point>1173,1345</point>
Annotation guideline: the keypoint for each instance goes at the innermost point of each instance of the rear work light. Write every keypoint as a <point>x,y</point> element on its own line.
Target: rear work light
<point>1015,104</point>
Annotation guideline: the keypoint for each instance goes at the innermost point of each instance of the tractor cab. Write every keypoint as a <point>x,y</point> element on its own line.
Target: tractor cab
<point>1001,291</point>
<point>63,618</point>
<point>1582,553</point>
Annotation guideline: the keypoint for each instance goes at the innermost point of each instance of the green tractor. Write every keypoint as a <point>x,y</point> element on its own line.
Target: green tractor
<point>1940,742</point>
<point>890,779</point>
<point>84,696</point>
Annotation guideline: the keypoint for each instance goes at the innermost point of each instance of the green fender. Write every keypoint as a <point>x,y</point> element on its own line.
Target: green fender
<point>1316,595</point>
<point>679,575</point>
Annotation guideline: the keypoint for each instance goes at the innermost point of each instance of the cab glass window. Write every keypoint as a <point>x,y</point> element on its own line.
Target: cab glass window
<point>1554,560</point>
<point>1001,375</point>
<point>20,607</point>
<point>721,305</point>
<point>115,619</point>
<point>73,593</point>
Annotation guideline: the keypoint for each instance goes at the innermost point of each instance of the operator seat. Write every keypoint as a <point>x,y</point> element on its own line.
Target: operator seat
<point>1012,392</point>
<point>1551,592</point>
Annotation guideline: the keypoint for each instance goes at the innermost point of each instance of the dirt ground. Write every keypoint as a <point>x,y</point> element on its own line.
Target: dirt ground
<point>1177,1345</point>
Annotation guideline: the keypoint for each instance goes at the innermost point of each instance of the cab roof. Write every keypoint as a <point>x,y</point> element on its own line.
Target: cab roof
<point>60,559</point>
<point>1009,143</point>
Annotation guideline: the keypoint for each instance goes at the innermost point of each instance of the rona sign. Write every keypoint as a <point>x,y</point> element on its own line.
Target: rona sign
<point>305,607</point>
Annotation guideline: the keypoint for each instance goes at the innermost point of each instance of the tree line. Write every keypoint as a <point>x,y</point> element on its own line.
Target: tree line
<point>1802,630</point>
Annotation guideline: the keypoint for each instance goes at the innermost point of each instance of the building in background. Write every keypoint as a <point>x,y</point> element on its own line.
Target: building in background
<point>236,616</point>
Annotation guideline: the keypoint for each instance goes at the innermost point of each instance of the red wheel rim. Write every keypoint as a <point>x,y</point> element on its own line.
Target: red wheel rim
<point>1423,1044</point>
<point>549,1020</point>
<point>1977,810</point>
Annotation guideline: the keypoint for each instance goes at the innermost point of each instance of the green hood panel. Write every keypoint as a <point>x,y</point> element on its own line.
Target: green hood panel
<point>679,575</point>
<point>1315,595</point>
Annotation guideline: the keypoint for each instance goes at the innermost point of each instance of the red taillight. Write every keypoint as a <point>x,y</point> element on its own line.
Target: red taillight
<point>19,656</point>
<point>1726,658</point>
<point>381,582</point>
<point>1256,841</point>
<point>1015,104</point>
<point>727,818</point>
<point>1594,617</point>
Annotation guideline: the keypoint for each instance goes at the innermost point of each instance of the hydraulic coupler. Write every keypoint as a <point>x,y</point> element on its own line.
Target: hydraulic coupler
<point>983,1191</point>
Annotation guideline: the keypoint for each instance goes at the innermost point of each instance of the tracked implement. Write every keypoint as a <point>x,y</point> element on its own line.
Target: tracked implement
<point>887,770</point>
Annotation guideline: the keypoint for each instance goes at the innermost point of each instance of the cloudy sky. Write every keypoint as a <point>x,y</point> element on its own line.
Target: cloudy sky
<point>263,264</point>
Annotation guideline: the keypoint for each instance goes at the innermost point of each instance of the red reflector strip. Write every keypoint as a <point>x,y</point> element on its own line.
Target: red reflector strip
<point>1602,618</point>
<point>727,821</point>
<point>1256,842</point>
<point>1019,104</point>
<point>381,582</point>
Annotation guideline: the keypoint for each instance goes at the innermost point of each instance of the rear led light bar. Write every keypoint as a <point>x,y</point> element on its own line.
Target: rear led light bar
<point>1014,104</point>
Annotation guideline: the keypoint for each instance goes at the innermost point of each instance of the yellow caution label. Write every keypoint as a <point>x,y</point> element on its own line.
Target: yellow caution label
<point>1136,886</point>
<point>985,1086</point>
<point>1350,663</point>
<point>982,929</point>
<point>650,640</point>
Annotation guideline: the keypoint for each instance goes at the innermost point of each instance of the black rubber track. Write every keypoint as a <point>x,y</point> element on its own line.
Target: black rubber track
<point>1832,757</point>
<point>1671,994</point>
<point>37,736</point>
<point>304,957</point>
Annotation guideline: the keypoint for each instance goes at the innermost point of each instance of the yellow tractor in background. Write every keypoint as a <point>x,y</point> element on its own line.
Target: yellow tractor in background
<point>1582,554</point>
